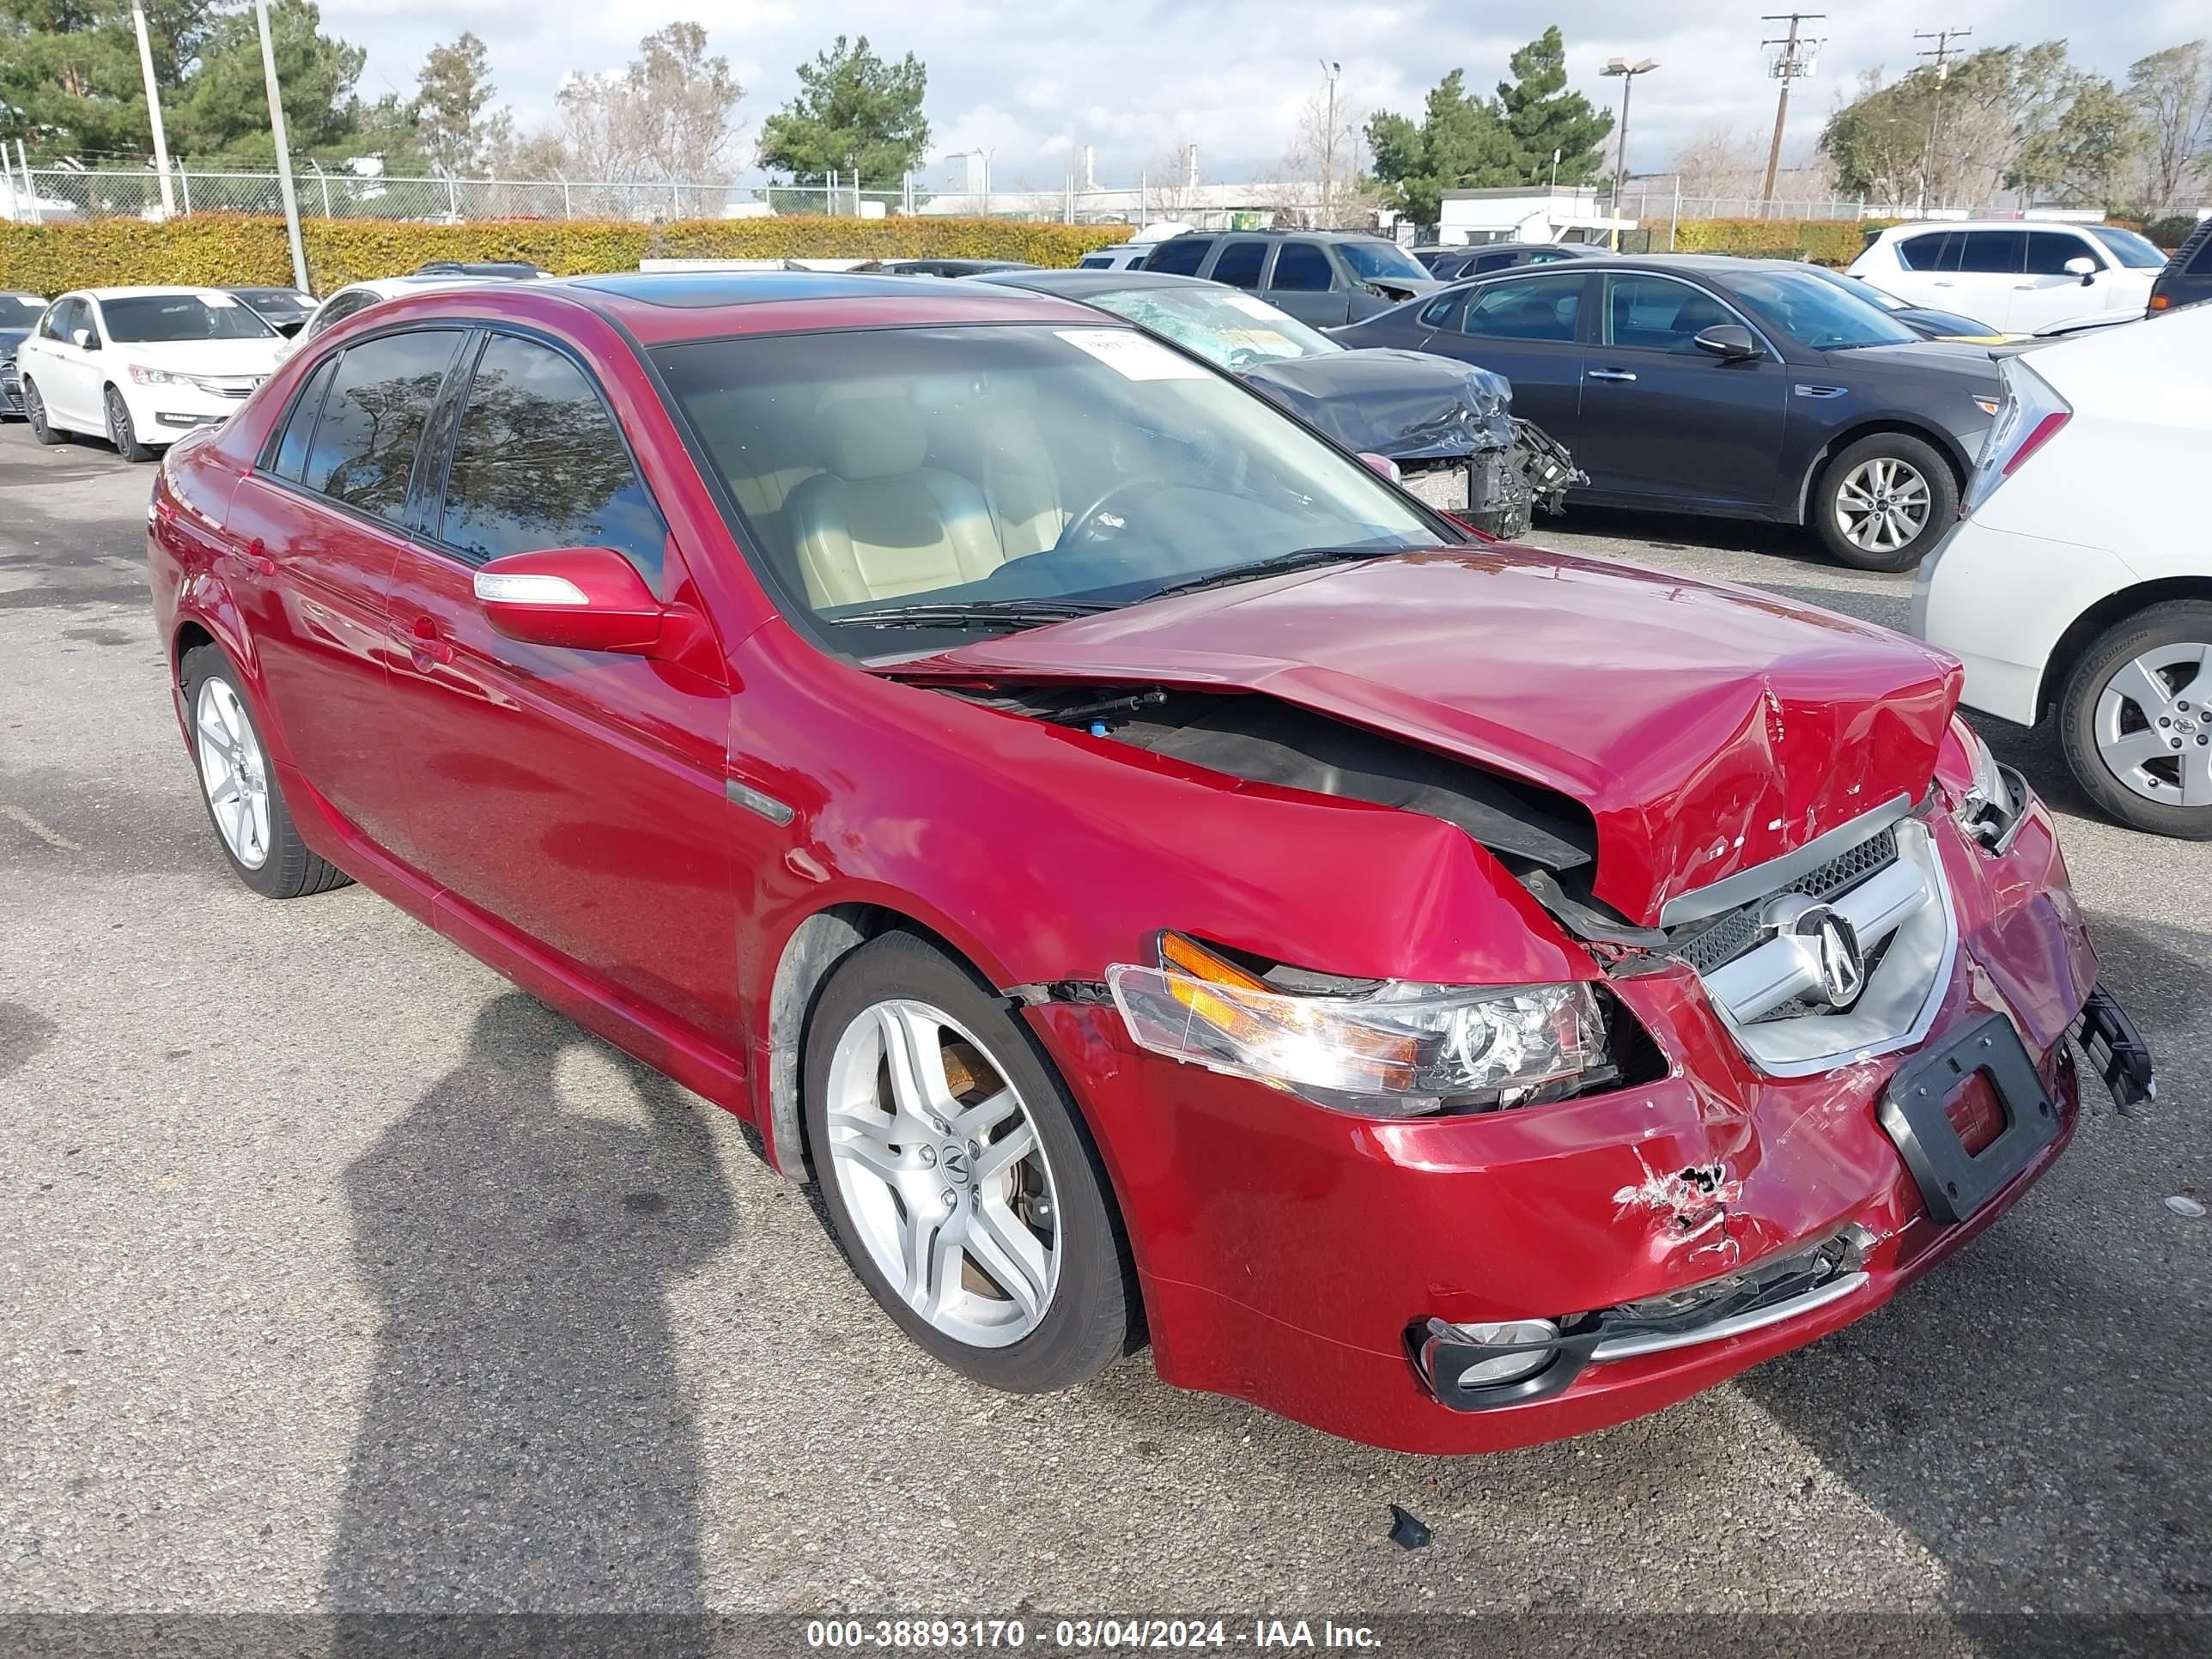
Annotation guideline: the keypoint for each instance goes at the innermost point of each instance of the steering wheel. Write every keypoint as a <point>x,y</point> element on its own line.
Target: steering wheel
<point>1084,527</point>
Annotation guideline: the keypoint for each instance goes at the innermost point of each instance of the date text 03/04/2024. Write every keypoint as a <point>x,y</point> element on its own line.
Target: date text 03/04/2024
<point>938,1635</point>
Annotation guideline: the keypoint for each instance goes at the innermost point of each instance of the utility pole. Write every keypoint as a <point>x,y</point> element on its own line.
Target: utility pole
<point>1787,68</point>
<point>1942,51</point>
<point>1329,71</point>
<point>283,151</point>
<point>153,107</point>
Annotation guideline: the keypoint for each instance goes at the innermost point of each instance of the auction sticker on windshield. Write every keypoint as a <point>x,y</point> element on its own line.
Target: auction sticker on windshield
<point>1247,304</point>
<point>219,302</point>
<point>1132,355</point>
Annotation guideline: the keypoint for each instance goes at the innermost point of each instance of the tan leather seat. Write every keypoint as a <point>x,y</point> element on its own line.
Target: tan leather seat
<point>879,524</point>
<point>1022,486</point>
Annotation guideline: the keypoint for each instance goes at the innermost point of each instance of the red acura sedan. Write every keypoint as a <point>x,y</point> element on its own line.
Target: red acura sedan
<point>1161,880</point>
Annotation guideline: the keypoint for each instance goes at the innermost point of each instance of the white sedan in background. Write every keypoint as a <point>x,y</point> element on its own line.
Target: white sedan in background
<point>2080,578</point>
<point>141,367</point>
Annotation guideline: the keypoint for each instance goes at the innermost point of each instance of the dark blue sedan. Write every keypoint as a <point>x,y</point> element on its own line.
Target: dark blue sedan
<point>1743,388</point>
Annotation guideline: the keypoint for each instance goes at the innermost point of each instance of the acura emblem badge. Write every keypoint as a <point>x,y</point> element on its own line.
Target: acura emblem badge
<point>1842,968</point>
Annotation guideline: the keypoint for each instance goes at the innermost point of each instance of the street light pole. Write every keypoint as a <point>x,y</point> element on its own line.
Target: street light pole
<point>283,151</point>
<point>1627,72</point>
<point>1329,72</point>
<point>153,107</point>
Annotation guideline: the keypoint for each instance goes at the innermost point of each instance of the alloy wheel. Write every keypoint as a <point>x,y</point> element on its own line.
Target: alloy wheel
<point>233,772</point>
<point>2153,731</point>
<point>943,1174</point>
<point>118,421</point>
<point>1882,504</point>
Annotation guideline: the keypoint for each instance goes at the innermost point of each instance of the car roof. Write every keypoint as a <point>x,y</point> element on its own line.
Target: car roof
<point>388,287</point>
<point>1992,224</point>
<point>1318,235</point>
<point>665,307</point>
<point>265,291</point>
<point>142,291</point>
<point>1076,281</point>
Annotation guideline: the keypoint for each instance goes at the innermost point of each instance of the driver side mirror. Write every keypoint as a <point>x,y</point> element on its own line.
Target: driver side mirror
<point>85,338</point>
<point>1382,463</point>
<point>1729,341</point>
<point>2083,266</point>
<point>585,599</point>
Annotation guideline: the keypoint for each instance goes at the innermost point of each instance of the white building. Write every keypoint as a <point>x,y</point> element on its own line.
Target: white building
<point>1560,213</point>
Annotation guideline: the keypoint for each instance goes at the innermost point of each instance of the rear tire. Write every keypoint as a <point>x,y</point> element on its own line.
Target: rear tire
<point>2153,666</point>
<point>237,785</point>
<point>981,1181</point>
<point>121,431</point>
<point>1884,501</point>
<point>34,411</point>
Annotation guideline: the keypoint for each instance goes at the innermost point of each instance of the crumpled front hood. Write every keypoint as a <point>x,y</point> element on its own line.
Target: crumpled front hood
<point>1408,405</point>
<point>1707,729</point>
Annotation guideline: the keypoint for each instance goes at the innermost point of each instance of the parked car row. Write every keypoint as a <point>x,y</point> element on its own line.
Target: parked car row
<point>1162,881</point>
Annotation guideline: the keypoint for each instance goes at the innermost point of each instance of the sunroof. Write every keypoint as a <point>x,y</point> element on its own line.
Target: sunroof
<point>693,290</point>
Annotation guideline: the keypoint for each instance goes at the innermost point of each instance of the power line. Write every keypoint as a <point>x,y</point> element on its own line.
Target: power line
<point>1942,51</point>
<point>1798,58</point>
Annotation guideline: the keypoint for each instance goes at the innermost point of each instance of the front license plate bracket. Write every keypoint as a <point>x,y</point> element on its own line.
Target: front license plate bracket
<point>1953,1183</point>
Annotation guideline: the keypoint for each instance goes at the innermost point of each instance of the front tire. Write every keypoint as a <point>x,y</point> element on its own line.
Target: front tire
<point>237,785</point>
<point>2134,723</point>
<point>959,1176</point>
<point>34,411</point>
<point>1883,502</point>
<point>121,431</point>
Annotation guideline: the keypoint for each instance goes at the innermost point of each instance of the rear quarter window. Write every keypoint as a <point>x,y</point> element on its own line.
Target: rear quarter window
<point>1181,256</point>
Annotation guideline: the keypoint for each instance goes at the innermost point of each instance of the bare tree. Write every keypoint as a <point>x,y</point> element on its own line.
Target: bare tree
<point>1718,160</point>
<point>1324,180</point>
<point>668,118</point>
<point>2172,90</point>
<point>1171,190</point>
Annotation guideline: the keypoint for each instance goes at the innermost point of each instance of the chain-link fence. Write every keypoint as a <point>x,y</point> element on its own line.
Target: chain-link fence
<point>1637,203</point>
<point>57,195</point>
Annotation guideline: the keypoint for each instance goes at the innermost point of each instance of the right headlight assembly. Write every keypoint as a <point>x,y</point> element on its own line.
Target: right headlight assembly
<point>1393,1049</point>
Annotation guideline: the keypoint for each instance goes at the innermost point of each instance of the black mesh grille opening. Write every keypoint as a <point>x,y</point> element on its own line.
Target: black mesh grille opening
<point>1710,945</point>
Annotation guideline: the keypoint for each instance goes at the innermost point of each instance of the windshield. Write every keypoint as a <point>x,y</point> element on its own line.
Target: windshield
<point>2136,253</point>
<point>19,310</point>
<point>1232,329</point>
<point>1369,260</point>
<point>1016,463</point>
<point>164,318</point>
<point>1817,311</point>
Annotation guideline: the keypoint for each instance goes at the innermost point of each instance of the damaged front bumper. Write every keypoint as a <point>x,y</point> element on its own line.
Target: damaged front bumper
<point>1498,490</point>
<point>1606,1255</point>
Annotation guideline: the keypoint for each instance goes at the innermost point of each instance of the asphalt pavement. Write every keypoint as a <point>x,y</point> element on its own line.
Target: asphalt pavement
<point>335,1273</point>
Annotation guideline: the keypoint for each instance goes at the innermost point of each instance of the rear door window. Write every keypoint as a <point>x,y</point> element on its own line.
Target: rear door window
<point>1240,262</point>
<point>538,464</point>
<point>1302,268</point>
<point>1994,252</point>
<point>299,425</point>
<point>373,417</point>
<point>1527,308</point>
<point>1181,256</point>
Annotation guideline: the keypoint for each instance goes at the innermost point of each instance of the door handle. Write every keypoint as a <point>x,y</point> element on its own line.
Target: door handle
<point>254,557</point>
<point>425,645</point>
<point>1610,374</point>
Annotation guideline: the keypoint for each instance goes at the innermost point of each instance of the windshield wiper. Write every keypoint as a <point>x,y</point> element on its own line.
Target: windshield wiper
<point>959,613</point>
<point>1301,560</point>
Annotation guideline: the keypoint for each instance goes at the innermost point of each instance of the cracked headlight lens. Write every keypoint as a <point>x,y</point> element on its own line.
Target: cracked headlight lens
<point>1398,1049</point>
<point>1988,808</point>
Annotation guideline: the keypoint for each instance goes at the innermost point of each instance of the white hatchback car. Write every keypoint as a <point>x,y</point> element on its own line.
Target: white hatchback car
<point>141,367</point>
<point>2017,276</point>
<point>359,296</point>
<point>2080,578</point>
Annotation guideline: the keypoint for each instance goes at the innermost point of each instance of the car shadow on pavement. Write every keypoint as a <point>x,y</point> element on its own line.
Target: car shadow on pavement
<point>528,1441</point>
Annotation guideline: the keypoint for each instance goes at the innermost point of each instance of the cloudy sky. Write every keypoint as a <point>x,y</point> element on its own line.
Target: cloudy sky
<point>1033,80</point>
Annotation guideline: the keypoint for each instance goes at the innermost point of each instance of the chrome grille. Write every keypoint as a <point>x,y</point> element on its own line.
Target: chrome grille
<point>1766,979</point>
<point>1710,945</point>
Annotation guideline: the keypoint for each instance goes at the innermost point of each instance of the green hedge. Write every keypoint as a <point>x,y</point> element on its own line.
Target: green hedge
<point>1826,241</point>
<point>240,250</point>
